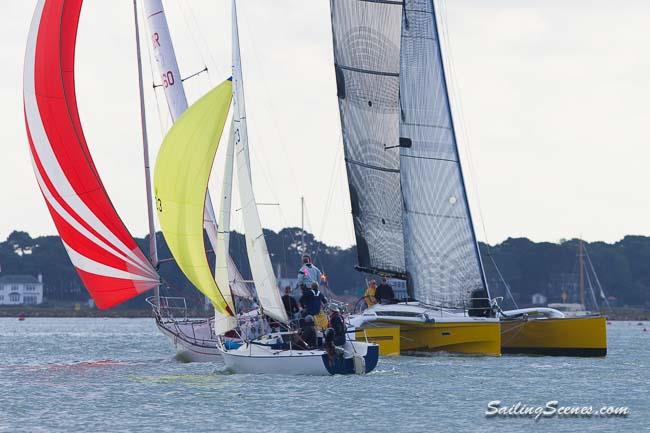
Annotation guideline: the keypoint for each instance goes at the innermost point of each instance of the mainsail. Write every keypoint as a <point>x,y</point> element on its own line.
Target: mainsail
<point>105,255</point>
<point>180,181</point>
<point>258,255</point>
<point>441,251</point>
<point>409,204</point>
<point>366,56</point>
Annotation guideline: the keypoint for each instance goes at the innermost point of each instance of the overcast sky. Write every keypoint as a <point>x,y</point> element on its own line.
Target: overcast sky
<point>551,100</point>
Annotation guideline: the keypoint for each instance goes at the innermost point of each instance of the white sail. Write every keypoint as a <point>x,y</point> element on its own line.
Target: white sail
<point>221,273</point>
<point>172,84</point>
<point>258,256</point>
<point>163,52</point>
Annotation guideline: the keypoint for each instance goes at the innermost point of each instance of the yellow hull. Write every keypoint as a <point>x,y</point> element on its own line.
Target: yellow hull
<point>472,338</point>
<point>570,336</point>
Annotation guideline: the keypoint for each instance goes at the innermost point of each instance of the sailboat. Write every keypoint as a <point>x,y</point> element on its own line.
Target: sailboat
<point>106,257</point>
<point>194,339</point>
<point>181,176</point>
<point>551,331</point>
<point>409,204</point>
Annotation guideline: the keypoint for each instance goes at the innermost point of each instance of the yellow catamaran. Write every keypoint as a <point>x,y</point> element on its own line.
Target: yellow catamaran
<point>409,204</point>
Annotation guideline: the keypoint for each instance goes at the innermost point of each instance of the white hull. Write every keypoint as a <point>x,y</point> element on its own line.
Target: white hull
<point>200,347</point>
<point>413,312</point>
<point>309,363</point>
<point>266,358</point>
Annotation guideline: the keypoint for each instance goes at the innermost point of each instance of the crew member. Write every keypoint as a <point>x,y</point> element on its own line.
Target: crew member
<point>384,293</point>
<point>290,304</point>
<point>311,302</point>
<point>308,273</point>
<point>337,323</point>
<point>369,296</point>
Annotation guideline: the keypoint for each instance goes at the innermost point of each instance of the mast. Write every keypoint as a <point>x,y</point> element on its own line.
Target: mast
<point>581,267</point>
<point>258,255</point>
<point>302,224</point>
<point>153,248</point>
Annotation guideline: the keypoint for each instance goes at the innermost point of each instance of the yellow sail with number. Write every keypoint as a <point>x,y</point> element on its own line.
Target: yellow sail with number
<point>181,179</point>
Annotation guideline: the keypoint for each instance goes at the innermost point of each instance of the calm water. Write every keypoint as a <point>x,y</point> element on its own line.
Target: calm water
<point>120,375</point>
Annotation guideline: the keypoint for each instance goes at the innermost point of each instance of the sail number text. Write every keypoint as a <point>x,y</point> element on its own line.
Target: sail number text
<point>168,79</point>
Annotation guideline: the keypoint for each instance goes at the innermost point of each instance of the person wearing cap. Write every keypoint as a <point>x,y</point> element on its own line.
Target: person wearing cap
<point>384,293</point>
<point>308,273</point>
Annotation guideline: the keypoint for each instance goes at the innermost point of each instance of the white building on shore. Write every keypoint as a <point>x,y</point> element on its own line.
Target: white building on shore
<point>21,289</point>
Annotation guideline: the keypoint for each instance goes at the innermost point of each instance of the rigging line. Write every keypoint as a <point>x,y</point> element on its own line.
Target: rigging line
<point>333,183</point>
<point>204,40</point>
<point>456,95</point>
<point>189,31</point>
<point>268,107</point>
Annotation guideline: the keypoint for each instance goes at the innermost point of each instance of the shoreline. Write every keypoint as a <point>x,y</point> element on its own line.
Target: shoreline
<point>619,314</point>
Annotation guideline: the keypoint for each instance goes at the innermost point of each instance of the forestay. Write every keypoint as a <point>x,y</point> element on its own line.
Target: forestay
<point>258,255</point>
<point>105,255</point>
<point>366,54</point>
<point>441,250</point>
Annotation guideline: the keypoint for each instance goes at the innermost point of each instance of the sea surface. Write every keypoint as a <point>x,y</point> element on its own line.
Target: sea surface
<point>120,375</point>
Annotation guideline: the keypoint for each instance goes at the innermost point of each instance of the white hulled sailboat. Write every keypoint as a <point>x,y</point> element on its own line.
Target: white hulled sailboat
<point>180,181</point>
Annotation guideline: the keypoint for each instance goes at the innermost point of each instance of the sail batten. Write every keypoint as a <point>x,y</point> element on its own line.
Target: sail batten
<point>109,262</point>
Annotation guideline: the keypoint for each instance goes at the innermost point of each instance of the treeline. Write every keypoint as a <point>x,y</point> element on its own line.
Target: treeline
<point>528,267</point>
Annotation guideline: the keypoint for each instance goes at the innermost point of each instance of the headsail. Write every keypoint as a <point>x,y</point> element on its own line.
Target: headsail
<point>180,180</point>
<point>105,255</point>
<point>366,55</point>
<point>258,255</point>
<point>440,245</point>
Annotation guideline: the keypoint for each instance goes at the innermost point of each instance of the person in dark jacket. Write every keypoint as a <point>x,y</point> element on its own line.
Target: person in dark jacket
<point>307,338</point>
<point>384,293</point>
<point>290,304</point>
<point>312,300</point>
<point>337,324</point>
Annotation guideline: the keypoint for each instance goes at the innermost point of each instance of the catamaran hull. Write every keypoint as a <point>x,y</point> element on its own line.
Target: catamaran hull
<point>467,338</point>
<point>425,329</point>
<point>257,360</point>
<point>569,336</point>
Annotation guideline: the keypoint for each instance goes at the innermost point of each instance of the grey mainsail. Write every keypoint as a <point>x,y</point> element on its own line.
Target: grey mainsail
<point>366,54</point>
<point>441,252</point>
<point>409,203</point>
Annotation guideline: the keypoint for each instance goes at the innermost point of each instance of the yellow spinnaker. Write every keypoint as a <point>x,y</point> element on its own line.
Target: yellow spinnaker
<point>181,179</point>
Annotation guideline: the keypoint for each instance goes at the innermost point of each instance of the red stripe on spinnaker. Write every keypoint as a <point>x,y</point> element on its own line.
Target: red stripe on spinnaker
<point>53,82</point>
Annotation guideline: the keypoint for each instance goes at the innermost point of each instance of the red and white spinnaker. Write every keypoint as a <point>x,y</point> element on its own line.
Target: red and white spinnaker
<point>105,255</point>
